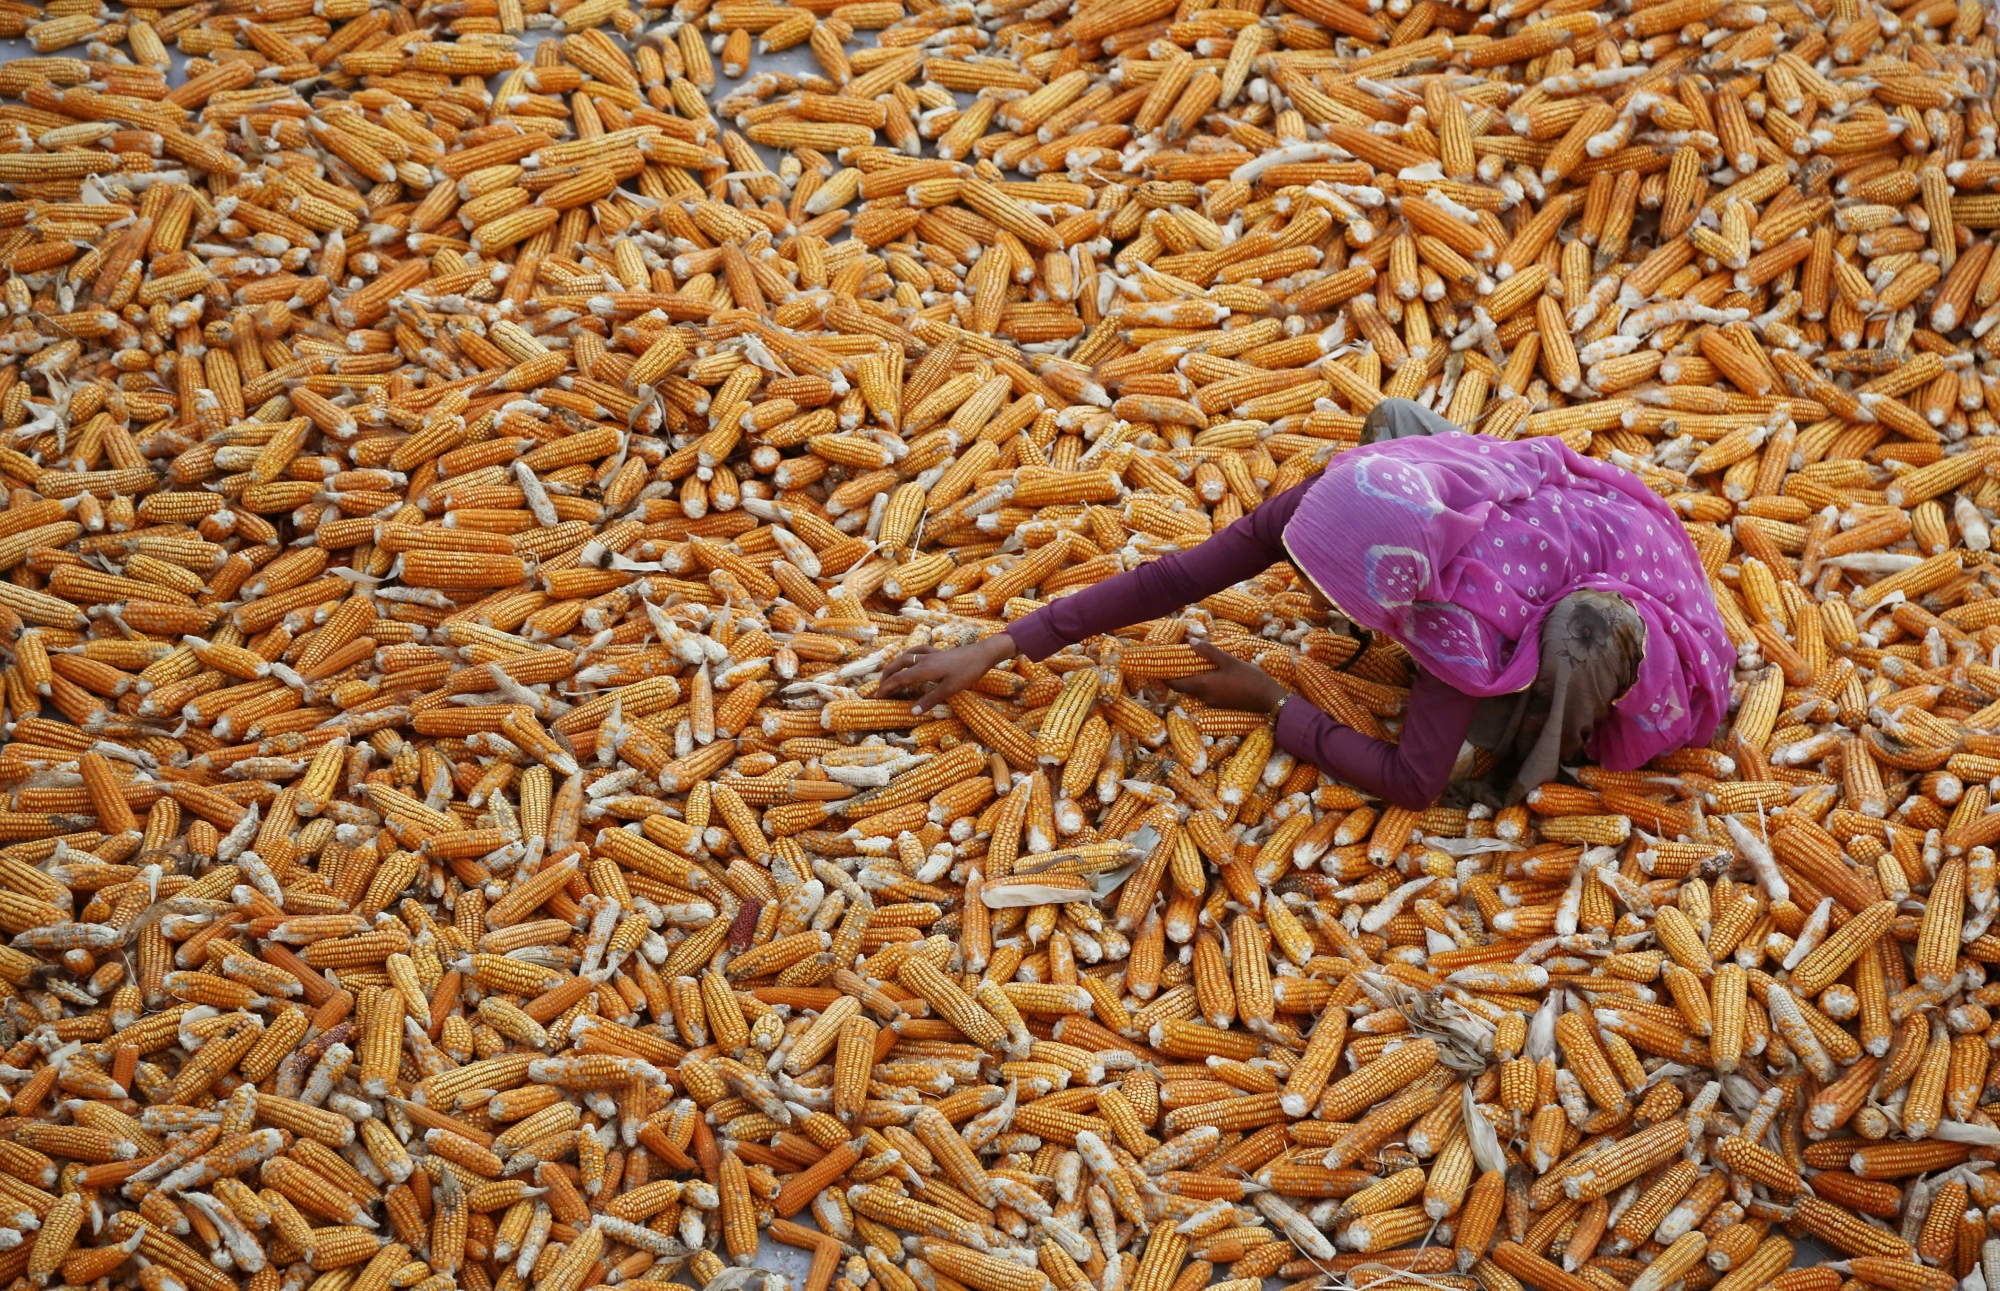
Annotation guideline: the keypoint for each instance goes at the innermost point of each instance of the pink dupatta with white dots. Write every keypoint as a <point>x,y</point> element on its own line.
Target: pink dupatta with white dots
<point>1458,546</point>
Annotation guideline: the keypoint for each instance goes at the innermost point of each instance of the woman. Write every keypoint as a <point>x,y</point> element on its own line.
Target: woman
<point>1551,603</point>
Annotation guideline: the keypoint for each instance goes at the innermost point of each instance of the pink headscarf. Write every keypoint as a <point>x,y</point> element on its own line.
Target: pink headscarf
<point>1458,546</point>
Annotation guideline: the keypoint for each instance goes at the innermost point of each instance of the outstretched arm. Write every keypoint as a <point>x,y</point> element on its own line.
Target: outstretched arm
<point>1244,549</point>
<point>1250,546</point>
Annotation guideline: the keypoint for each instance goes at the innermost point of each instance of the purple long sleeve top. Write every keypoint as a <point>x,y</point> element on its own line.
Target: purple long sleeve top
<point>1409,774</point>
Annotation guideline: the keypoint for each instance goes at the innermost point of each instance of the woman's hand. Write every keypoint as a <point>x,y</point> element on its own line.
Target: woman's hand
<point>947,671</point>
<point>1231,683</point>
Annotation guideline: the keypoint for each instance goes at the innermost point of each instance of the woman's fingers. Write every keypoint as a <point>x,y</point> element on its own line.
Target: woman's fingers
<point>1231,683</point>
<point>951,678</point>
<point>915,667</point>
<point>937,694</point>
<point>907,669</point>
<point>1218,658</point>
<point>1201,684</point>
<point>907,658</point>
<point>1214,653</point>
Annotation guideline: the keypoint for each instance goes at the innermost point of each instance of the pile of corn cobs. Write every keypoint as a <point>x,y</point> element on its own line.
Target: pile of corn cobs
<point>462,498</point>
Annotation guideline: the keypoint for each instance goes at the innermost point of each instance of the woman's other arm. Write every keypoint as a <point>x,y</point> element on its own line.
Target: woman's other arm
<point>1409,774</point>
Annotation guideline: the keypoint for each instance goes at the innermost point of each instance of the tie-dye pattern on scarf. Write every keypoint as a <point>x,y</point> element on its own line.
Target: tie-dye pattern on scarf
<point>1459,546</point>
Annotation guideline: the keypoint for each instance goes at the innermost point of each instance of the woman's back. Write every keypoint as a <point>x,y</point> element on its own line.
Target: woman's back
<point>1459,546</point>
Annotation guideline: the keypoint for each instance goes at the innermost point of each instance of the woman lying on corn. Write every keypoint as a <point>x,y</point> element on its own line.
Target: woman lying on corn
<point>1552,605</point>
